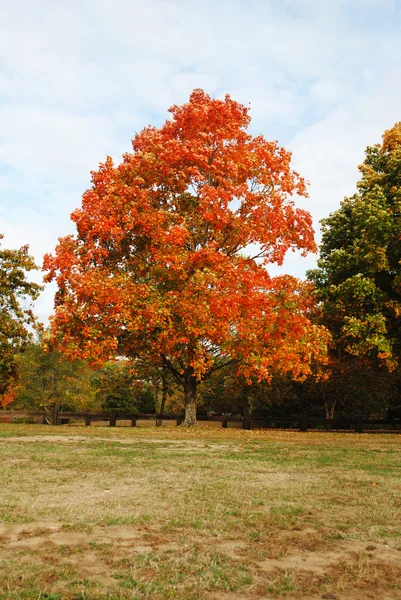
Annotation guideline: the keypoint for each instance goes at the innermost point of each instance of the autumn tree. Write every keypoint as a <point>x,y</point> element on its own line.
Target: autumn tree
<point>16,316</point>
<point>161,265</point>
<point>358,279</point>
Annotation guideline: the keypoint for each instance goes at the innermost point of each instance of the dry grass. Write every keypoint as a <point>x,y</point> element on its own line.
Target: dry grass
<point>88,513</point>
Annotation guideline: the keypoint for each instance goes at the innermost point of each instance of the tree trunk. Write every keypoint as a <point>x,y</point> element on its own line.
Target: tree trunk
<point>329,409</point>
<point>245,404</point>
<point>164,387</point>
<point>190,385</point>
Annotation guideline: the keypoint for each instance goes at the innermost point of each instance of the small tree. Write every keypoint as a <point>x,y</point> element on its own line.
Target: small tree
<point>49,377</point>
<point>16,296</point>
<point>160,264</point>
<point>118,388</point>
<point>358,279</point>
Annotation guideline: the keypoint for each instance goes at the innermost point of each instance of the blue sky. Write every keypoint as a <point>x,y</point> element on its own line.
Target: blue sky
<point>79,78</point>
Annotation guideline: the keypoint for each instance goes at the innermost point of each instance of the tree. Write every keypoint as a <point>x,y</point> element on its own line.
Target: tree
<point>118,388</point>
<point>350,390</point>
<point>115,388</point>
<point>160,379</point>
<point>16,296</point>
<point>358,279</point>
<point>49,377</point>
<point>160,264</point>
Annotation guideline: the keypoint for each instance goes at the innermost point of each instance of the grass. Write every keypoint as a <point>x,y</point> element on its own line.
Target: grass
<point>116,513</point>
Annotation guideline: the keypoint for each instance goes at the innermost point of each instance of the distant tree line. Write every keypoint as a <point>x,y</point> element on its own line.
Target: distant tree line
<point>350,389</point>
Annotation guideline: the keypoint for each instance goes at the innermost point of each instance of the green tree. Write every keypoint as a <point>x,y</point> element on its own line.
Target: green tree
<point>351,390</point>
<point>118,388</point>
<point>358,279</point>
<point>16,316</point>
<point>160,382</point>
<point>47,377</point>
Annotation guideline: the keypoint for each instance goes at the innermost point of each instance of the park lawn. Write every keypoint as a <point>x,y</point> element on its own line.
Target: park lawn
<point>88,513</point>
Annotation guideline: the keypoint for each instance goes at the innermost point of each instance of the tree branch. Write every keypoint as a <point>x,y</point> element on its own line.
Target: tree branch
<point>233,361</point>
<point>262,253</point>
<point>173,370</point>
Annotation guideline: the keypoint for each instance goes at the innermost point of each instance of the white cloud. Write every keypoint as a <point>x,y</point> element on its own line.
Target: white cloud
<point>329,151</point>
<point>78,79</point>
<point>48,143</point>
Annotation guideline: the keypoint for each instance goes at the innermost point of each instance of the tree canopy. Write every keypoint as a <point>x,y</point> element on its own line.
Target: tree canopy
<point>358,279</point>
<point>16,316</point>
<point>160,264</point>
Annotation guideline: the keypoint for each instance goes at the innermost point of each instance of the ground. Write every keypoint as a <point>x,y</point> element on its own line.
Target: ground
<point>88,513</point>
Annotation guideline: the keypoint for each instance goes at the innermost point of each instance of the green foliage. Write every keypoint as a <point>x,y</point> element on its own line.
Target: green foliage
<point>222,393</point>
<point>351,390</point>
<point>16,295</point>
<point>145,401</point>
<point>49,377</point>
<point>358,279</point>
<point>118,389</point>
<point>162,389</point>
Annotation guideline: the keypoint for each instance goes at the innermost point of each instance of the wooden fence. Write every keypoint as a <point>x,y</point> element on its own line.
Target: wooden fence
<point>299,422</point>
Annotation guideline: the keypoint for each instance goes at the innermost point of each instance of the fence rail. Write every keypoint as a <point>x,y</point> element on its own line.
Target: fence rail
<point>300,422</point>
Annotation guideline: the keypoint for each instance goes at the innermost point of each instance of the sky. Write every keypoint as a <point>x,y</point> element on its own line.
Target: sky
<point>78,79</point>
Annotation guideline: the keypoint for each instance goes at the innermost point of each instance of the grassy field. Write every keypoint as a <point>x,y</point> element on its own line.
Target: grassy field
<point>117,513</point>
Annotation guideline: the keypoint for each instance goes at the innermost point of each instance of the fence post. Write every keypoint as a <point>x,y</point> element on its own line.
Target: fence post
<point>303,423</point>
<point>88,419</point>
<point>113,418</point>
<point>246,423</point>
<point>358,425</point>
<point>224,422</point>
<point>159,423</point>
<point>133,422</point>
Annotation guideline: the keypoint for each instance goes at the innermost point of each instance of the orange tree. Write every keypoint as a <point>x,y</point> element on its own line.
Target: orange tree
<point>160,265</point>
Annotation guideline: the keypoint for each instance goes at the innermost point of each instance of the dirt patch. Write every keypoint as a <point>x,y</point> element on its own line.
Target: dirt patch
<point>88,554</point>
<point>48,438</point>
<point>359,595</point>
<point>316,562</point>
<point>320,562</point>
<point>92,567</point>
<point>33,536</point>
<point>73,439</point>
<point>117,532</point>
<point>68,439</point>
<point>232,548</point>
<point>169,547</point>
<point>226,596</point>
